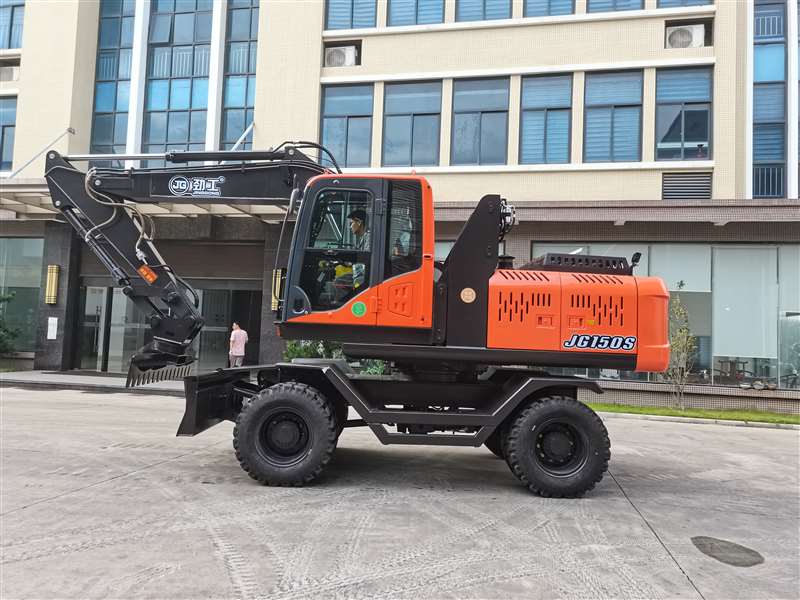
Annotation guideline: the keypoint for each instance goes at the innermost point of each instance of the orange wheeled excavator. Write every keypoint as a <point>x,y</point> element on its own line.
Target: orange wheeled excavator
<point>467,340</point>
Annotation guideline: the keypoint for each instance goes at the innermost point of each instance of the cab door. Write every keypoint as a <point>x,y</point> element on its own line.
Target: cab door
<point>334,265</point>
<point>405,296</point>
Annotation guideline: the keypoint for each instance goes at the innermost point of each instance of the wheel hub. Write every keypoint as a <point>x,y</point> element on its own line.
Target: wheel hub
<point>557,445</point>
<point>285,434</point>
<point>559,449</point>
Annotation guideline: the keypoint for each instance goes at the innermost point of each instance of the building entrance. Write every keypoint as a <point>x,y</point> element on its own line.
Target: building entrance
<point>111,329</point>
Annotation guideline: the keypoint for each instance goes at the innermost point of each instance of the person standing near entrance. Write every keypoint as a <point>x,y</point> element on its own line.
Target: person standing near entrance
<point>238,340</point>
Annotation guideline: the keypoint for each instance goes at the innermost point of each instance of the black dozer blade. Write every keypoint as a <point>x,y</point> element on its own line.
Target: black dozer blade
<point>152,367</point>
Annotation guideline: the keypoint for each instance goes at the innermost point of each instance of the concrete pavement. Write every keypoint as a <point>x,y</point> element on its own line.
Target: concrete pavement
<point>99,499</point>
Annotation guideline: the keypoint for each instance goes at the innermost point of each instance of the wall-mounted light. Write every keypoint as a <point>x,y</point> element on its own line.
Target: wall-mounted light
<point>51,289</point>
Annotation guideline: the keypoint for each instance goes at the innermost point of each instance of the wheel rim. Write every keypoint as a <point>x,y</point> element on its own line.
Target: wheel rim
<point>284,437</point>
<point>560,447</point>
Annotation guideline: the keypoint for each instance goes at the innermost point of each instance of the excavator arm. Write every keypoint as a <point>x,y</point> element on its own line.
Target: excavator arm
<point>101,205</point>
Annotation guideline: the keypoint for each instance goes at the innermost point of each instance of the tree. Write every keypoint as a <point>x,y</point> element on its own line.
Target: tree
<point>7,334</point>
<point>683,347</point>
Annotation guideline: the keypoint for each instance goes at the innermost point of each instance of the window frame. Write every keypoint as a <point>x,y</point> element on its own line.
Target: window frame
<point>546,110</point>
<point>549,12</point>
<point>615,9</point>
<point>4,131</point>
<point>371,115</point>
<point>683,106</point>
<point>614,107</point>
<point>386,114</point>
<point>772,41</point>
<point>191,110</point>
<point>483,13</point>
<point>13,7</point>
<point>226,143</point>
<point>480,122</point>
<point>352,3</point>
<point>416,15</point>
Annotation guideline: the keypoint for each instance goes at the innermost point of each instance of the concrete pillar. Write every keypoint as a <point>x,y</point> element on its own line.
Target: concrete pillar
<point>62,248</point>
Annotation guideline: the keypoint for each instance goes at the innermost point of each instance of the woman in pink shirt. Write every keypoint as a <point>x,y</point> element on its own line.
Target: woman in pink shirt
<point>238,340</point>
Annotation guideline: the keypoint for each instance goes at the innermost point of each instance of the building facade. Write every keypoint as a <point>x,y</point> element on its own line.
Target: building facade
<point>666,127</point>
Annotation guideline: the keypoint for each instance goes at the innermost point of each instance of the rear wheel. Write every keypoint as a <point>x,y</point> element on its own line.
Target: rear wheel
<point>285,435</point>
<point>558,447</point>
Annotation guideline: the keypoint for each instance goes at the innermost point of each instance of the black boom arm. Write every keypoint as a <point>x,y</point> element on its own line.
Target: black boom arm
<point>101,205</point>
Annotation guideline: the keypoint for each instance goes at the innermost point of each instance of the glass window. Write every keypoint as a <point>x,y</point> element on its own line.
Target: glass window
<point>543,8</point>
<point>613,5</point>
<point>336,265</point>
<point>347,123</point>
<point>612,130</point>
<point>770,62</point>
<point>789,316</point>
<point>12,16</point>
<point>415,12</point>
<point>482,10</point>
<point>480,122</point>
<point>411,123</point>
<point>112,90</point>
<point>683,114</point>
<point>20,278</point>
<point>545,120</point>
<point>745,313</point>
<point>8,119</point>
<point>177,84</point>
<point>239,88</point>
<point>350,14</point>
<point>404,241</point>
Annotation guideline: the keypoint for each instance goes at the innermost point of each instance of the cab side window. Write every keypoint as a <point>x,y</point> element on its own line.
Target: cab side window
<point>404,234</point>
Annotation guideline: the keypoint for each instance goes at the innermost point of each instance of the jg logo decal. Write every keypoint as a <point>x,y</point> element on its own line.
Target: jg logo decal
<point>196,186</point>
<point>601,342</point>
<point>359,309</point>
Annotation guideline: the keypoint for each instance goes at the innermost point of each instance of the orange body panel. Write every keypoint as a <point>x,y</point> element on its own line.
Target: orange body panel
<point>405,300</point>
<point>653,325</point>
<point>580,312</point>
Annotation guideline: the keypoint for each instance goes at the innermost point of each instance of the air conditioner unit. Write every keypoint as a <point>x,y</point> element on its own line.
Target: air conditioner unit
<point>341,56</point>
<point>686,36</point>
<point>9,73</point>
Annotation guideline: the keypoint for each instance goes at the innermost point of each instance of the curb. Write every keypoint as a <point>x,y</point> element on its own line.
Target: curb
<point>87,387</point>
<point>698,421</point>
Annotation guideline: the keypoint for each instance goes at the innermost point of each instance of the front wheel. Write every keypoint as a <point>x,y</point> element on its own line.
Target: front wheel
<point>285,435</point>
<point>558,447</point>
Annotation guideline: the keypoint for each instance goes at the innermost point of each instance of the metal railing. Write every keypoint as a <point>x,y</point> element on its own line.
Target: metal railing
<point>769,181</point>
<point>768,27</point>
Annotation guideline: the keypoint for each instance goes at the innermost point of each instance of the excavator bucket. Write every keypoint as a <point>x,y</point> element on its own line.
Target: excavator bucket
<point>152,367</point>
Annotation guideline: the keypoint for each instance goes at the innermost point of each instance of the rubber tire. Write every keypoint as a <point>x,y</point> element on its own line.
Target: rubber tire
<point>319,419</point>
<point>494,443</point>
<point>520,446</point>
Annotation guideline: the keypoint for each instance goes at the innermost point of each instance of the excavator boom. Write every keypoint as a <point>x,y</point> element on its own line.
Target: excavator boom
<point>101,205</point>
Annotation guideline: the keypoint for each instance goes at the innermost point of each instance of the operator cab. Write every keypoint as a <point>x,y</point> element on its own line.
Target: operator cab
<point>362,254</point>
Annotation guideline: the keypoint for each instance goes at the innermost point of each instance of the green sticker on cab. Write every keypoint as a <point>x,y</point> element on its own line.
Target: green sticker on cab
<point>359,309</point>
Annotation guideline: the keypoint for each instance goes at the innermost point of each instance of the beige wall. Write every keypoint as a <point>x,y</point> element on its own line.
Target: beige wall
<point>538,45</point>
<point>287,82</point>
<point>568,185</point>
<point>59,47</point>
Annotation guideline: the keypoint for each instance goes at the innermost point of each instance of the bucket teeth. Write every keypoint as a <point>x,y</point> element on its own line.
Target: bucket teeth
<point>137,377</point>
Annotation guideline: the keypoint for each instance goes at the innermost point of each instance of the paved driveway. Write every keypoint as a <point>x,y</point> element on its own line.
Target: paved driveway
<point>100,500</point>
